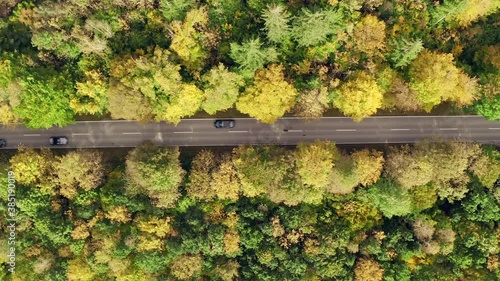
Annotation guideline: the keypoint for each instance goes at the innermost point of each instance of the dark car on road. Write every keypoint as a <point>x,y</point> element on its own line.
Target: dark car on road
<point>58,140</point>
<point>3,143</point>
<point>221,124</point>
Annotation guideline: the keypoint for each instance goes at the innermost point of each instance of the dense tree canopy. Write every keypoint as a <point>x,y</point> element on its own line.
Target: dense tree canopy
<point>160,60</point>
<point>145,221</point>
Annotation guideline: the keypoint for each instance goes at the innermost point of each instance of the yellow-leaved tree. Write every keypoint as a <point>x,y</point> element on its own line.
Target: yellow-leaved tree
<point>435,78</point>
<point>463,13</point>
<point>312,103</point>
<point>369,165</point>
<point>90,96</point>
<point>33,168</point>
<point>186,267</point>
<point>269,97</point>
<point>368,270</point>
<point>186,40</point>
<point>213,177</point>
<point>118,214</point>
<point>79,270</point>
<point>359,97</point>
<point>10,89</point>
<point>185,103</point>
<point>153,231</point>
<point>369,36</point>
<point>78,170</point>
<point>315,162</point>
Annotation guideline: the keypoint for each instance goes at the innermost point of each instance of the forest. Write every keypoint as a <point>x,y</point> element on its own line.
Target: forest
<point>315,211</point>
<point>163,60</point>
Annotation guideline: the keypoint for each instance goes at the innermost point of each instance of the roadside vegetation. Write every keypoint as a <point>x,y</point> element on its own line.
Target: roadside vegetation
<point>428,211</point>
<point>164,60</point>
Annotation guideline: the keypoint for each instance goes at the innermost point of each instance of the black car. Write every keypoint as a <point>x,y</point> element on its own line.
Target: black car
<point>221,124</point>
<point>58,140</point>
<point>3,143</point>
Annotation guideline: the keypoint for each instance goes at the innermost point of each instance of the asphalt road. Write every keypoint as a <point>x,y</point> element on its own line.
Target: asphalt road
<point>286,131</point>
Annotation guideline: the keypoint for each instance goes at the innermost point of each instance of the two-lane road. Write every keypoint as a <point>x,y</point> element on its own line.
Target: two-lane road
<point>286,131</point>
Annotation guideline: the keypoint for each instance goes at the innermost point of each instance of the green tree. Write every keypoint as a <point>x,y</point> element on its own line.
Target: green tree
<point>251,56</point>
<point>221,90</point>
<point>489,107</point>
<point>424,197</point>
<point>391,198</point>
<point>155,170</point>
<point>450,162</point>
<point>480,205</point>
<point>269,97</point>
<point>276,19</point>
<point>258,168</point>
<point>405,51</point>
<point>489,104</point>
<point>313,27</point>
<point>45,99</point>
<point>359,97</point>
<point>175,9</point>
